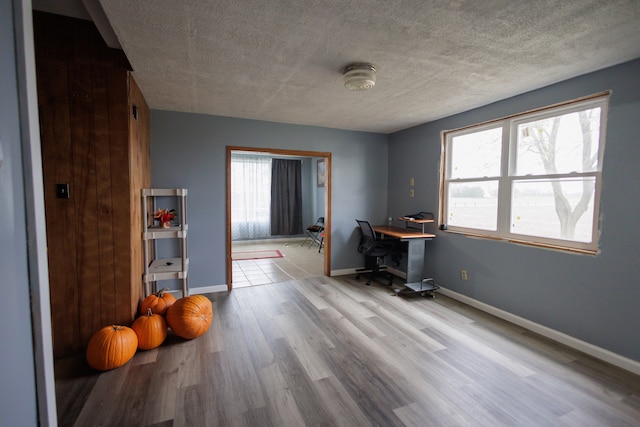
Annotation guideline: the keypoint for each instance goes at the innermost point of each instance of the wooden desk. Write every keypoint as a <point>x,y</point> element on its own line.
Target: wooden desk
<point>415,250</point>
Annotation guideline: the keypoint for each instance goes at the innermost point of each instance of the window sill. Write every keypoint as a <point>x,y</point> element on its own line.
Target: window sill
<point>524,242</point>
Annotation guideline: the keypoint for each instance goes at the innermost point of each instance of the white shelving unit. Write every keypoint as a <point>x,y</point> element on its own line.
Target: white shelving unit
<point>170,268</point>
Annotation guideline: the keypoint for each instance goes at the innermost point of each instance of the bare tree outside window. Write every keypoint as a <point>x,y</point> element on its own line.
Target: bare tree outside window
<point>570,151</point>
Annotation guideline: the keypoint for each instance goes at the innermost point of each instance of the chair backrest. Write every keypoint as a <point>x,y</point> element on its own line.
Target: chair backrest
<point>367,236</point>
<point>318,226</point>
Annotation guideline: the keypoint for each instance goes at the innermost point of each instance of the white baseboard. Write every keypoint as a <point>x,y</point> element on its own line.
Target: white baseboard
<point>396,272</point>
<point>207,289</point>
<point>585,347</point>
<point>348,271</point>
<point>343,272</point>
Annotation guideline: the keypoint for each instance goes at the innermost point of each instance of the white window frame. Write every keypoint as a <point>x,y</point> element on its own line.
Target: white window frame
<point>508,175</point>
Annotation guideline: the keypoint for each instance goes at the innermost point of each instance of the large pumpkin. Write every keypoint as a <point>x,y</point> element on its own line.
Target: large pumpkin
<point>111,347</point>
<point>159,302</point>
<point>151,330</point>
<point>190,316</point>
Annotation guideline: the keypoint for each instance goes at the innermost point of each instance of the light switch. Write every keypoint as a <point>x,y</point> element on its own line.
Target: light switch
<point>412,182</point>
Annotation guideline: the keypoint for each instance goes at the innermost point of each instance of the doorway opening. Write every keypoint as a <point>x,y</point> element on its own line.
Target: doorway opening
<point>321,170</point>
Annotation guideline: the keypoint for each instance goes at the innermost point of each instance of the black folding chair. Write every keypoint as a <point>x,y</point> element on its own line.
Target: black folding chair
<point>313,233</point>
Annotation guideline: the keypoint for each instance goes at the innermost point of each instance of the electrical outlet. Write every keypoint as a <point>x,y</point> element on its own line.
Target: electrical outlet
<point>463,274</point>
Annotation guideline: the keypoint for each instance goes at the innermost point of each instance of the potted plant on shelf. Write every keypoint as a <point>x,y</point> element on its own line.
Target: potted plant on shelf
<point>165,216</point>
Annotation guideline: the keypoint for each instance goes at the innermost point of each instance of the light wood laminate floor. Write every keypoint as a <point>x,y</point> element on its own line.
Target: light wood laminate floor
<point>333,352</point>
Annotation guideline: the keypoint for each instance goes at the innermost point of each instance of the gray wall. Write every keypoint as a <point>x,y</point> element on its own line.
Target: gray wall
<point>592,298</point>
<point>188,150</point>
<point>17,376</point>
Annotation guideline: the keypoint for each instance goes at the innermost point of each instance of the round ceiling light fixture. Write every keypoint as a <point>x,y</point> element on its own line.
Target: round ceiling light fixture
<point>359,76</point>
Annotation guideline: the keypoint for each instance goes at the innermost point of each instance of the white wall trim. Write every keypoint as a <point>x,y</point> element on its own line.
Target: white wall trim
<point>583,346</point>
<point>347,271</point>
<point>396,272</point>
<point>34,212</point>
<point>207,289</point>
<point>343,272</point>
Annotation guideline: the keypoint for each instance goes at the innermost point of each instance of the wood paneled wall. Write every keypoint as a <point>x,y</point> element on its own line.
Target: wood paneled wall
<point>91,142</point>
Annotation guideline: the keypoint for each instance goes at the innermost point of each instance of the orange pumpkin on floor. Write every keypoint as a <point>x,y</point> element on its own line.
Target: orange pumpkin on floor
<point>159,302</point>
<point>111,347</point>
<point>190,316</point>
<point>151,330</point>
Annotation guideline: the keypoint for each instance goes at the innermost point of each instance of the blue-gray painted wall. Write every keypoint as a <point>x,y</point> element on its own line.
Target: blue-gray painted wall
<point>188,150</point>
<point>592,298</point>
<point>18,405</point>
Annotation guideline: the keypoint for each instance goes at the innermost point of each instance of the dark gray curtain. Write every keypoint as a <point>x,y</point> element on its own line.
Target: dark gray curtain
<point>286,197</point>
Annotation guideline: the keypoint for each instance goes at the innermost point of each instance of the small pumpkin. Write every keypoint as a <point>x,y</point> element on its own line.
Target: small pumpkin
<point>190,316</point>
<point>151,330</point>
<point>158,302</point>
<point>111,347</point>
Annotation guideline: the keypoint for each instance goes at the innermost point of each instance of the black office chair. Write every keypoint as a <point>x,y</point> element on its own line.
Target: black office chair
<point>374,250</point>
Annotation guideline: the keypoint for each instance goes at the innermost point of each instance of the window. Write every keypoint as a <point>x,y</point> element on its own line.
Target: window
<point>250,197</point>
<point>532,178</point>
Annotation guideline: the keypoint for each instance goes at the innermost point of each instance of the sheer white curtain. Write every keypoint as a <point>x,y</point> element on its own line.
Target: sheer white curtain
<point>250,197</point>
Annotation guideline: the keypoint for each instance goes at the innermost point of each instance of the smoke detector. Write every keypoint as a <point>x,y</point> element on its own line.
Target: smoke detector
<point>359,76</point>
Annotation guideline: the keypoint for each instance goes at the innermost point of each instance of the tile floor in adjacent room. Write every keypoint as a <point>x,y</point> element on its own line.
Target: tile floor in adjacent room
<point>299,260</point>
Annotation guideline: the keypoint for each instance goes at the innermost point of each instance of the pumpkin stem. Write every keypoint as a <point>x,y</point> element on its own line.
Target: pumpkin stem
<point>161,292</point>
<point>149,312</point>
<point>116,327</point>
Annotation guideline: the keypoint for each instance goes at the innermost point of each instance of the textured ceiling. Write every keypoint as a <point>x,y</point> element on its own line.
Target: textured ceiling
<point>281,60</point>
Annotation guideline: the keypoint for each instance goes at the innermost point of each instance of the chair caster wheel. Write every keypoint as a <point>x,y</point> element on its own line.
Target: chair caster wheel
<point>368,283</point>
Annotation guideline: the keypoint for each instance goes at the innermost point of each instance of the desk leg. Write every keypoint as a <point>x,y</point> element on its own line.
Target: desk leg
<point>415,260</point>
